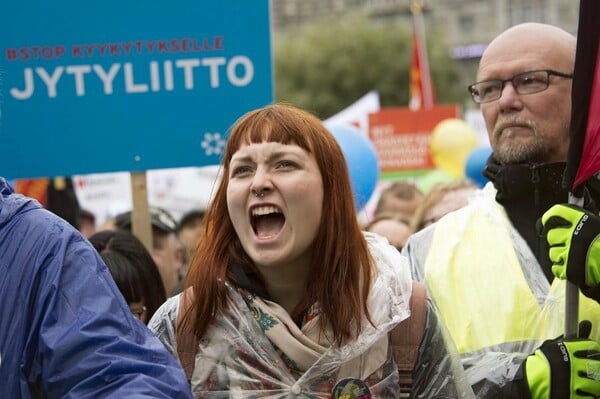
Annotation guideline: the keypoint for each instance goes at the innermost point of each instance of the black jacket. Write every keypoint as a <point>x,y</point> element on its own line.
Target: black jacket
<point>526,191</point>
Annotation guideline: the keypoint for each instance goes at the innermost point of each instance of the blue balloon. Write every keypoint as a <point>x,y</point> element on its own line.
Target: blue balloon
<point>475,164</point>
<point>361,159</point>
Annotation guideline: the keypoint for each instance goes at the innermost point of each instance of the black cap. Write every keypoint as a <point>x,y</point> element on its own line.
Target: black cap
<point>159,218</point>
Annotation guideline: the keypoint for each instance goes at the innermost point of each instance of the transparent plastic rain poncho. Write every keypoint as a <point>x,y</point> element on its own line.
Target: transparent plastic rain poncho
<point>490,290</point>
<point>240,357</point>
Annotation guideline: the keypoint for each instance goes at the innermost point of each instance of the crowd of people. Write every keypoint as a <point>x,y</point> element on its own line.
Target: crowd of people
<point>276,290</point>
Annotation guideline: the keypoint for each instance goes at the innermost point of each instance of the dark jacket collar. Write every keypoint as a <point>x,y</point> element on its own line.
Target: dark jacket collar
<point>526,191</point>
<point>527,184</point>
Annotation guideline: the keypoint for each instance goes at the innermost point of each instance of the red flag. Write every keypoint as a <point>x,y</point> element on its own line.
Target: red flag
<point>583,160</point>
<point>590,156</point>
<point>421,90</point>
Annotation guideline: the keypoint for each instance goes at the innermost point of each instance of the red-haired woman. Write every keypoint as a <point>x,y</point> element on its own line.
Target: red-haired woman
<point>286,295</point>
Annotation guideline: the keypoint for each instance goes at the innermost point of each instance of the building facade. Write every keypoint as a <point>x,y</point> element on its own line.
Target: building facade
<point>462,21</point>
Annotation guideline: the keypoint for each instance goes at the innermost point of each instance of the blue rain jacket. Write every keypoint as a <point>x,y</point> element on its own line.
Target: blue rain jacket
<point>65,330</point>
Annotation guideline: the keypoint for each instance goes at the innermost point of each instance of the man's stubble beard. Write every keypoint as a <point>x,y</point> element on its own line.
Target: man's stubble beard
<point>510,152</point>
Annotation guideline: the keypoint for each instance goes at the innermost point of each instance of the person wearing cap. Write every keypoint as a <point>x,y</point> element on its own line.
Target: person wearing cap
<point>167,250</point>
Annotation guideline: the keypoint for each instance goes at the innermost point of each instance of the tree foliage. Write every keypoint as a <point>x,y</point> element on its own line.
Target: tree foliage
<point>329,64</point>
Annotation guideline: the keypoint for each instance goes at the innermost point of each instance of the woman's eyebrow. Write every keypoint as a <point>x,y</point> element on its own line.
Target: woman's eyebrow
<point>273,156</point>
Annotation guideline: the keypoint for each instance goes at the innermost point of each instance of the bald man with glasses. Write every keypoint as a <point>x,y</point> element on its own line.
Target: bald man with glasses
<point>486,266</point>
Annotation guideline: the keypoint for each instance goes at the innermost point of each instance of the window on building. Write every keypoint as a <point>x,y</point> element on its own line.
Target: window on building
<point>526,11</point>
<point>466,22</point>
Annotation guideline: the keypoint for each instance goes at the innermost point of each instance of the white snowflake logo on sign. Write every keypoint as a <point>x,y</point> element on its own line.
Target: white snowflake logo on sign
<point>213,143</point>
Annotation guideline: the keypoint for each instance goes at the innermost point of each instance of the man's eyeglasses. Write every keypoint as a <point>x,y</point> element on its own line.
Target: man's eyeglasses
<point>524,83</point>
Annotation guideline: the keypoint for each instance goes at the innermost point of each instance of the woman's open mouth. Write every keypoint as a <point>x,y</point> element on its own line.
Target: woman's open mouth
<point>266,220</point>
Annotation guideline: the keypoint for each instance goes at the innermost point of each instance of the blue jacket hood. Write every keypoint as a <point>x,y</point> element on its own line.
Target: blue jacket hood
<point>9,208</point>
<point>65,329</point>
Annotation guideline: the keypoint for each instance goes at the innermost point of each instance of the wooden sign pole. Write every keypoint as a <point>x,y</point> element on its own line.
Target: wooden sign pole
<point>140,215</point>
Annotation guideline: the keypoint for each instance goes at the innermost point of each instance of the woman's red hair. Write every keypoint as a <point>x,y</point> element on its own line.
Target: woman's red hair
<point>341,265</point>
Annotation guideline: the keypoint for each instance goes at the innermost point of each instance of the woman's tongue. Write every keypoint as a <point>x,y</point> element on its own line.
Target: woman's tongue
<point>269,225</point>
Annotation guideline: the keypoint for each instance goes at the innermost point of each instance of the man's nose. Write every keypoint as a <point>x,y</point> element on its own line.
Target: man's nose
<point>509,97</point>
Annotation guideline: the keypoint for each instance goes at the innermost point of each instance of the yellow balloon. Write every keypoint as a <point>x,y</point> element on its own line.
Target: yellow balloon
<point>452,140</point>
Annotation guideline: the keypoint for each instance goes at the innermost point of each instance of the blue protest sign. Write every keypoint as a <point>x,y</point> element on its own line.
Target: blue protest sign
<point>91,87</point>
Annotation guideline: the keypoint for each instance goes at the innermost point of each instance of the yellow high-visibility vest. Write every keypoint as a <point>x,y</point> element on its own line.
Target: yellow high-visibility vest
<point>474,276</point>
